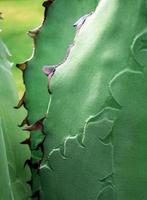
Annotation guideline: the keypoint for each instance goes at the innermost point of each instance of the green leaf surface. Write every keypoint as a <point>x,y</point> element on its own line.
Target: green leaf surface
<point>51,43</point>
<point>129,135</point>
<point>84,172</point>
<point>13,154</point>
<point>95,147</point>
<point>5,183</point>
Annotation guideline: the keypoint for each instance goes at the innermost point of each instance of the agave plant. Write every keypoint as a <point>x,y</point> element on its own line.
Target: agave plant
<point>86,98</point>
<point>12,155</point>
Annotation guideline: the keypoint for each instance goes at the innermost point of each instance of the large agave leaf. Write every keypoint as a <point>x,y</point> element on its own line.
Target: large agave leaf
<point>95,146</point>
<point>51,42</point>
<point>13,154</point>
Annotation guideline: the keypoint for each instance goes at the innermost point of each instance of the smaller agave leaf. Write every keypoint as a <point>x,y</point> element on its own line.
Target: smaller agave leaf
<point>5,182</point>
<point>13,179</point>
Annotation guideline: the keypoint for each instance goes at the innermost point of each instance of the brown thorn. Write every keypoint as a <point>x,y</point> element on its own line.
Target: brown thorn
<point>29,182</point>
<point>36,126</point>
<point>20,103</point>
<point>49,71</point>
<point>27,141</point>
<point>32,165</point>
<point>46,4</point>
<point>27,162</point>
<point>21,66</point>
<point>33,33</point>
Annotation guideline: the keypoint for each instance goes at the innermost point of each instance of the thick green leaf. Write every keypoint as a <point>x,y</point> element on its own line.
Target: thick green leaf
<point>13,154</point>
<point>51,43</point>
<point>95,146</point>
<point>5,183</point>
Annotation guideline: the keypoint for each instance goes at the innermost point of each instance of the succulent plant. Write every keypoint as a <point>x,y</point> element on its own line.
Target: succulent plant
<point>51,42</point>
<point>86,98</point>
<point>95,145</point>
<point>13,178</point>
